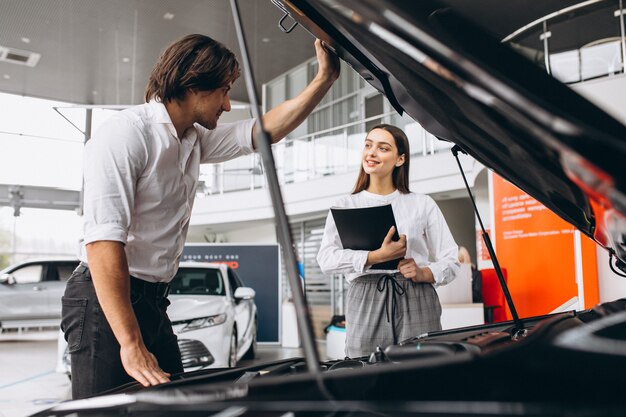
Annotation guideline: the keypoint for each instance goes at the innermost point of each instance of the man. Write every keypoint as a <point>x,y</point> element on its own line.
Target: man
<point>140,174</point>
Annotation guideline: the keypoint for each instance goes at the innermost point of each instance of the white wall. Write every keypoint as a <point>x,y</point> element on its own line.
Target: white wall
<point>459,214</point>
<point>265,233</point>
<point>608,93</point>
<point>611,286</point>
<point>236,233</point>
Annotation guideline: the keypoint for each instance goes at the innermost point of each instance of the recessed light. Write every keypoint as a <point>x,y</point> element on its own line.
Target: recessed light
<point>6,76</point>
<point>168,16</point>
<point>125,59</point>
<point>94,92</point>
<point>26,40</point>
<point>265,40</point>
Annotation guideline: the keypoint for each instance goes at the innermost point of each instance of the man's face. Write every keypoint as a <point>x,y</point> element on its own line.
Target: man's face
<point>209,105</point>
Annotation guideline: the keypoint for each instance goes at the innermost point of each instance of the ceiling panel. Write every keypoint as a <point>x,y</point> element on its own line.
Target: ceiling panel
<point>101,52</point>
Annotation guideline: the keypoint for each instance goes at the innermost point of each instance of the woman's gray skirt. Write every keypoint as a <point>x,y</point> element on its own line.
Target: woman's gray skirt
<point>374,319</point>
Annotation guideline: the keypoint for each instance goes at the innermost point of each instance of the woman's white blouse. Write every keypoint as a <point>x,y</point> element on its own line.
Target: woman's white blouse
<point>429,241</point>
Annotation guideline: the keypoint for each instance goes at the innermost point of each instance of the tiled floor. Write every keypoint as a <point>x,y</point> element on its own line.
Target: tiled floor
<point>29,383</point>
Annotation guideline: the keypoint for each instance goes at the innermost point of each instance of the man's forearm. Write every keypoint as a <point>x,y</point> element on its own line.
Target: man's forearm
<point>109,271</point>
<point>285,117</point>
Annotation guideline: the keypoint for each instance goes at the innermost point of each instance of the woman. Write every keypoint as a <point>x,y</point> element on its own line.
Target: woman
<point>384,307</point>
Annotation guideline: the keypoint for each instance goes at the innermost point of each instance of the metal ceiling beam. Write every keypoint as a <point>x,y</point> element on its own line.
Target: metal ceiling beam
<point>29,196</point>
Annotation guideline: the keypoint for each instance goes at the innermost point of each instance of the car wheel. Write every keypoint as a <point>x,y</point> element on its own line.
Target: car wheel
<point>232,354</point>
<point>251,352</point>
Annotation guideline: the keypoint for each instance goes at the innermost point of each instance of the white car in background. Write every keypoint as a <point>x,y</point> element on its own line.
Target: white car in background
<point>212,313</point>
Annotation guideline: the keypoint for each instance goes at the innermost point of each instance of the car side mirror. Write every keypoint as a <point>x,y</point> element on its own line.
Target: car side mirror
<point>7,279</point>
<point>244,293</point>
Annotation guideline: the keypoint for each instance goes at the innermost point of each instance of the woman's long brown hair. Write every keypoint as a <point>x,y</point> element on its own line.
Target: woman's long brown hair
<point>400,175</point>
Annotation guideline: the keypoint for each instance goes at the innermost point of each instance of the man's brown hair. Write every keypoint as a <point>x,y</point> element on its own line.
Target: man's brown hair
<point>194,62</point>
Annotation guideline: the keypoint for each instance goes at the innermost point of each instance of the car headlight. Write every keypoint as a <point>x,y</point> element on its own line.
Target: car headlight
<point>200,323</point>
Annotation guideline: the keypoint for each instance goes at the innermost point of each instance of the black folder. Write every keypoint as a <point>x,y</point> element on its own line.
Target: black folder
<point>365,229</point>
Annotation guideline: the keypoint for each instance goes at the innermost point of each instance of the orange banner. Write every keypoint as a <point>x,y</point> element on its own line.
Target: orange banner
<point>537,248</point>
<point>481,250</point>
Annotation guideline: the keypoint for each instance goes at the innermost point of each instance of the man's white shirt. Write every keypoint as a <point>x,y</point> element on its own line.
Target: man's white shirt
<point>140,182</point>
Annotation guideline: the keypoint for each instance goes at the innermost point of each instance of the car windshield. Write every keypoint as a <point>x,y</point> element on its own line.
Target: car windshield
<point>198,281</point>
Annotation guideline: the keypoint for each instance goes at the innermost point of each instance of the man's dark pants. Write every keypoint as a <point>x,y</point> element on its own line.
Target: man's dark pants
<point>95,352</point>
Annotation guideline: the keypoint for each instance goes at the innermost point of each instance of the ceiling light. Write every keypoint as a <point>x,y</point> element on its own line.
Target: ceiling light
<point>26,40</point>
<point>18,56</point>
<point>265,40</point>
<point>168,16</point>
<point>6,76</point>
<point>94,92</point>
<point>126,59</point>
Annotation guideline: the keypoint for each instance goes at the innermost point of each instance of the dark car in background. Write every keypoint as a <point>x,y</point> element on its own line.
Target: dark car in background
<point>434,62</point>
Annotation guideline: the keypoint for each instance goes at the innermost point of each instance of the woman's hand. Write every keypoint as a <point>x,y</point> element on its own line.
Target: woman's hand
<point>389,250</point>
<point>409,269</point>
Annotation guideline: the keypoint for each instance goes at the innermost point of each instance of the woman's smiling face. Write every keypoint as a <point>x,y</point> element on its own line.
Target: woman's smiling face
<point>380,154</point>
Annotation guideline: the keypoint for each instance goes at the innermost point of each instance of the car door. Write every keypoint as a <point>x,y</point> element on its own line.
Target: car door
<point>56,275</point>
<point>25,298</point>
<point>243,309</point>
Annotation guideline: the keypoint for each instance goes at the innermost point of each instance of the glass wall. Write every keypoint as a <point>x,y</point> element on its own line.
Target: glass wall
<point>582,44</point>
<point>324,294</point>
<point>328,142</point>
<point>37,136</point>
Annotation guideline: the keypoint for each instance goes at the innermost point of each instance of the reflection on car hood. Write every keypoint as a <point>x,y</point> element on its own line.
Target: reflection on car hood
<point>464,86</point>
<point>184,307</point>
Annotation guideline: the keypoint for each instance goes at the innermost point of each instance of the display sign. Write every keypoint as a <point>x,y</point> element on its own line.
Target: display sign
<point>482,252</point>
<point>538,250</point>
<point>258,267</point>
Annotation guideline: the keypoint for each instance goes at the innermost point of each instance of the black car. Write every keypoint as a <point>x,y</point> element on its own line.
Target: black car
<point>436,62</point>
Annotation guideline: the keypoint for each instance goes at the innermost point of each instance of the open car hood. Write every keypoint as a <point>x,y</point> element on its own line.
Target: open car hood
<point>465,86</point>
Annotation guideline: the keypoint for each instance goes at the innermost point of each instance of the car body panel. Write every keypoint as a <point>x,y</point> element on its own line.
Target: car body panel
<point>245,315</point>
<point>188,306</point>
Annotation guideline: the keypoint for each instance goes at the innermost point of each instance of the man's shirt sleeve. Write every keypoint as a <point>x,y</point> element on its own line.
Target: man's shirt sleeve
<point>113,162</point>
<point>227,141</point>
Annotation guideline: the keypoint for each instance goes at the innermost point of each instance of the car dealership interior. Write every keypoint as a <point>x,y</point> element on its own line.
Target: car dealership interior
<point>514,115</point>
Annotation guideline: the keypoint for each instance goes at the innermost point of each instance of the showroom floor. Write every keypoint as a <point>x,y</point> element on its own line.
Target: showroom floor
<point>29,383</point>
